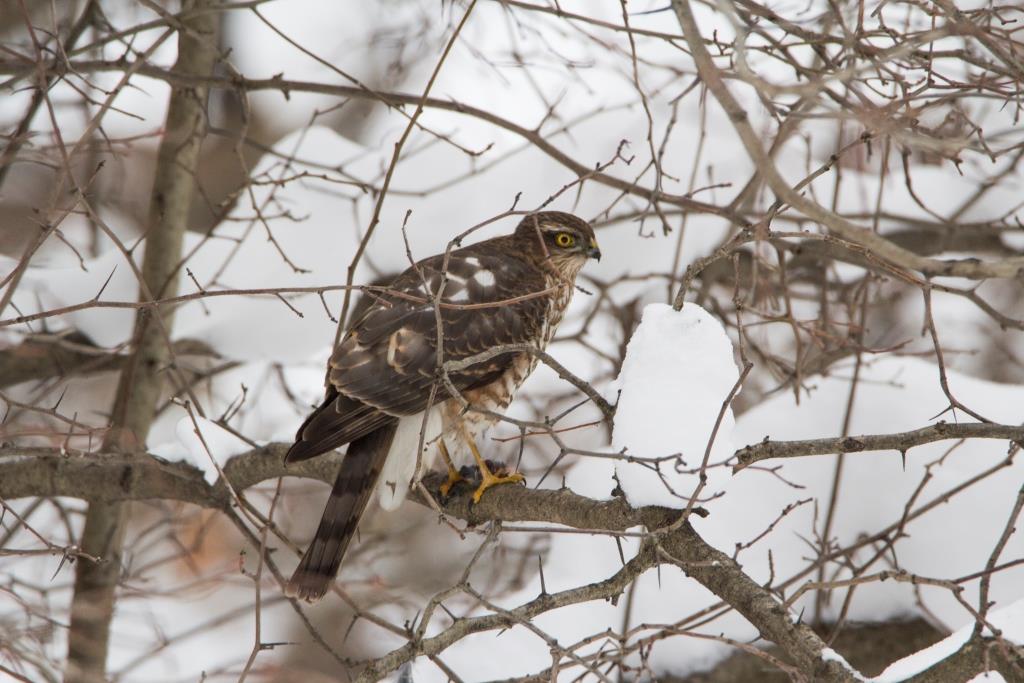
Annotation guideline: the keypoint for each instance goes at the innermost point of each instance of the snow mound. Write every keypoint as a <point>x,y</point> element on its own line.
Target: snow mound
<point>222,445</point>
<point>678,369</point>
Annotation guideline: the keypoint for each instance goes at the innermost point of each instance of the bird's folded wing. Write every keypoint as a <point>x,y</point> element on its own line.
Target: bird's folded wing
<point>386,366</point>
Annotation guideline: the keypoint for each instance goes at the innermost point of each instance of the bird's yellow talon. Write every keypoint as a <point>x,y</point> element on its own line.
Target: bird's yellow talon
<point>490,479</point>
<point>453,474</point>
<point>453,478</point>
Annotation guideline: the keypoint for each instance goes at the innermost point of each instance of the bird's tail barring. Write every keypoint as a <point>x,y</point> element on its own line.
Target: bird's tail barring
<point>352,490</point>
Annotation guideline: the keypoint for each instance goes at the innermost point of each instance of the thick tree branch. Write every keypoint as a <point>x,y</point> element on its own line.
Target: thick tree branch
<point>115,477</point>
<point>43,357</point>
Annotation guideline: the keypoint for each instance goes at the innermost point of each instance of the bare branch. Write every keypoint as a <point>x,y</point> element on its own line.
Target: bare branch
<point>899,441</point>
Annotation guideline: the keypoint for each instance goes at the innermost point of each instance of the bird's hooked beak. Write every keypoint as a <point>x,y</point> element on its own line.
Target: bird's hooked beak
<point>594,251</point>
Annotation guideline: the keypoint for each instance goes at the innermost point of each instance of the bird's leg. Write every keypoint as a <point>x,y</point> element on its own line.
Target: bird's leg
<point>453,474</point>
<point>488,478</point>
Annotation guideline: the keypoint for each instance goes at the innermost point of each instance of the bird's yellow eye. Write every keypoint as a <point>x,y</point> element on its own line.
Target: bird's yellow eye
<point>564,239</point>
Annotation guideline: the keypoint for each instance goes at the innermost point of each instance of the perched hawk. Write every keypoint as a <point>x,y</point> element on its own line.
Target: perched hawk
<point>386,390</point>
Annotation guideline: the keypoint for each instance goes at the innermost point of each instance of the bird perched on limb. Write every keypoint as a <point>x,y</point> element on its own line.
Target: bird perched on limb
<point>398,392</point>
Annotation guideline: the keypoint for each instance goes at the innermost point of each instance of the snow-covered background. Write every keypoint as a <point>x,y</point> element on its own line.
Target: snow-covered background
<point>188,605</point>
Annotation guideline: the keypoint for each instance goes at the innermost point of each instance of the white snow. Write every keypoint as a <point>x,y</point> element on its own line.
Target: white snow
<point>1009,620</point>
<point>896,394</point>
<point>66,284</point>
<point>830,655</point>
<point>220,446</point>
<point>678,370</point>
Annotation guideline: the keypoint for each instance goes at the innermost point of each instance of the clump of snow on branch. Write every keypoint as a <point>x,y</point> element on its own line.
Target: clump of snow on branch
<point>679,368</point>
<point>830,655</point>
<point>215,444</point>
<point>1009,620</point>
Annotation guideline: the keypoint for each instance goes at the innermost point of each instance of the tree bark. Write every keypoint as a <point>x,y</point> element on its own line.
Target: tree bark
<point>141,379</point>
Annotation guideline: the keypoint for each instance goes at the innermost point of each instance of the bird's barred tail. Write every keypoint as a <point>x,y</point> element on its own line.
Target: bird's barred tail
<point>352,489</point>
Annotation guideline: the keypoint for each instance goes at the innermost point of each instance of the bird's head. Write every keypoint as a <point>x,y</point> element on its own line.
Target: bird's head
<point>562,239</point>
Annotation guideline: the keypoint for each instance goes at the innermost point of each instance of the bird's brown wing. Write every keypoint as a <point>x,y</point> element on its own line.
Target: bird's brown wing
<point>337,421</point>
<point>386,365</point>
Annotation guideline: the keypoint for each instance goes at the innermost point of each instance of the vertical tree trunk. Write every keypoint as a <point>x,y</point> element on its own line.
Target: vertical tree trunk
<point>140,382</point>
